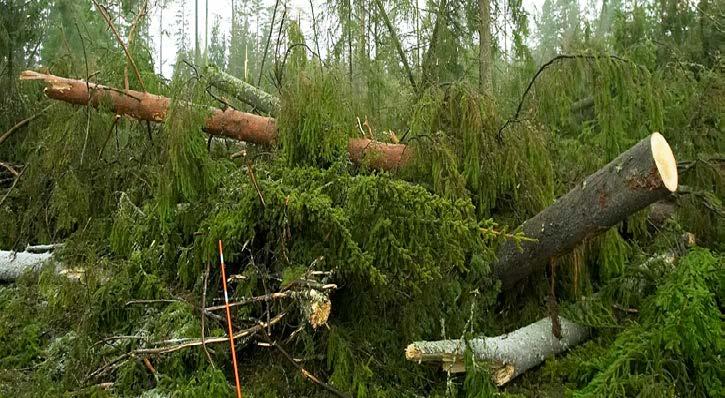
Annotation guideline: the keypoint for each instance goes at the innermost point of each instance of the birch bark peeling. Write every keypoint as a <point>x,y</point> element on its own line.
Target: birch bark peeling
<point>227,123</point>
<point>509,355</point>
<point>644,174</point>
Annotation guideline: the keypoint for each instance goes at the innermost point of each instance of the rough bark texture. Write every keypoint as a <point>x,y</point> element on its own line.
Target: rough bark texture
<point>228,123</point>
<point>14,264</point>
<point>509,354</point>
<point>243,91</point>
<point>627,184</point>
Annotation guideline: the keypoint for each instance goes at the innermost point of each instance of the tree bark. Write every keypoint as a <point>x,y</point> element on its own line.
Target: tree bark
<point>243,91</point>
<point>227,123</point>
<point>642,175</point>
<point>509,355</point>
<point>398,45</point>
<point>485,59</point>
<point>15,264</point>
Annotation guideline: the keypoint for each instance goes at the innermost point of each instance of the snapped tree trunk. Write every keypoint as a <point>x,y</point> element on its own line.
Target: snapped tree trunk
<point>642,175</point>
<point>243,91</point>
<point>227,123</point>
<point>509,355</point>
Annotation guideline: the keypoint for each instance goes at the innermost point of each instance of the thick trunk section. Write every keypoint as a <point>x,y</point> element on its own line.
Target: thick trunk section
<point>145,106</point>
<point>243,91</point>
<point>484,41</point>
<point>227,123</point>
<point>642,175</point>
<point>509,355</point>
<point>15,264</point>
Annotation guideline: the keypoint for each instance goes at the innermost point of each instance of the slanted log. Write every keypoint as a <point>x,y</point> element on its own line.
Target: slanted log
<point>15,264</point>
<point>227,123</point>
<point>642,175</point>
<point>509,355</point>
<point>243,91</point>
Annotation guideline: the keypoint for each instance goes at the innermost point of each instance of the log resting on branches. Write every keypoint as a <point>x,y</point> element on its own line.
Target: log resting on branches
<point>644,174</point>
<point>509,355</point>
<point>229,123</point>
<point>243,91</point>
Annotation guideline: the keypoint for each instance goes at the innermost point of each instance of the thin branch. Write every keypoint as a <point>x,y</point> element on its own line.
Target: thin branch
<point>107,18</point>
<point>266,45</point>
<point>10,168</point>
<point>12,186</point>
<point>250,171</point>
<point>88,89</point>
<point>541,69</point>
<point>23,123</point>
<point>398,46</point>
<point>203,313</point>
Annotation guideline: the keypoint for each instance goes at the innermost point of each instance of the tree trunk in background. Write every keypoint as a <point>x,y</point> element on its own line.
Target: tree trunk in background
<point>644,174</point>
<point>509,354</point>
<point>485,74</point>
<point>196,31</point>
<point>398,45</point>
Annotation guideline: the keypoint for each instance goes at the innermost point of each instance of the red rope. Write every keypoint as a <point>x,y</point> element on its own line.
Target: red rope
<point>229,322</point>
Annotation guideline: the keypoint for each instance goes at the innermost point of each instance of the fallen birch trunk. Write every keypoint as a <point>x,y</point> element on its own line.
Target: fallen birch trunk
<point>228,123</point>
<point>243,91</point>
<point>509,355</point>
<point>644,174</point>
<point>15,264</point>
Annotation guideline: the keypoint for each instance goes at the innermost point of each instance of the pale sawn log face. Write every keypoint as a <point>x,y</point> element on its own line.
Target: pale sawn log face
<point>642,175</point>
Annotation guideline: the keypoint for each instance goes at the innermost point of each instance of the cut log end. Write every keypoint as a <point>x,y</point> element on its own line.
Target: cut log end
<point>665,161</point>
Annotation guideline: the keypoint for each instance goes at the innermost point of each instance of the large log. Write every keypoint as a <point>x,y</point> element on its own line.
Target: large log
<point>15,264</point>
<point>508,355</point>
<point>229,123</point>
<point>642,175</point>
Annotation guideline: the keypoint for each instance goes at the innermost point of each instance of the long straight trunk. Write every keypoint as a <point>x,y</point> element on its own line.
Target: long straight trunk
<point>227,123</point>
<point>509,355</point>
<point>644,174</point>
<point>397,43</point>
<point>485,60</point>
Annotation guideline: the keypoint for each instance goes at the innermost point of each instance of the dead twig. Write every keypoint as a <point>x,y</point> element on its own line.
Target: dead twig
<point>12,186</point>
<point>107,18</point>
<point>166,301</point>
<point>10,168</point>
<point>251,300</point>
<point>250,171</point>
<point>203,314</point>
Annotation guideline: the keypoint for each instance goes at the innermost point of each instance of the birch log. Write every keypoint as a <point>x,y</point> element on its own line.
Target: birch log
<point>14,264</point>
<point>644,174</point>
<point>243,91</point>
<point>509,355</point>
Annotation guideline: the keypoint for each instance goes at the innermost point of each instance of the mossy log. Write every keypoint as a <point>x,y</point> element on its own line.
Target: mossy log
<point>509,355</point>
<point>243,91</point>
<point>644,174</point>
<point>229,123</point>
<point>15,264</point>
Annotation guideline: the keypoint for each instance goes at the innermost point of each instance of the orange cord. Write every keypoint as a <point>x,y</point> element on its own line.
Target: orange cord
<point>229,322</point>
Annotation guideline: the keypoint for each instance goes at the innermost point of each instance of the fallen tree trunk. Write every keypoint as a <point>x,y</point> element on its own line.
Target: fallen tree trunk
<point>15,264</point>
<point>509,355</point>
<point>642,175</point>
<point>243,91</point>
<point>227,123</point>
